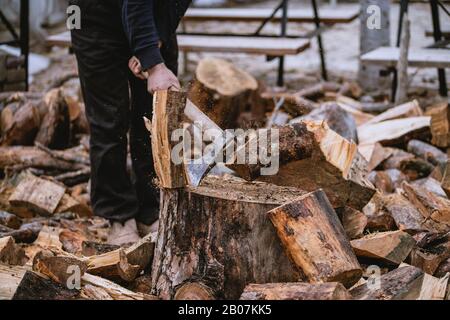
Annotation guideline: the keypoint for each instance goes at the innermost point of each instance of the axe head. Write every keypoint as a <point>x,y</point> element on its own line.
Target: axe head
<point>196,172</point>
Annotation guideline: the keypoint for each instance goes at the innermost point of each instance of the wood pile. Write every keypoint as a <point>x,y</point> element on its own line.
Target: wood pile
<point>359,208</point>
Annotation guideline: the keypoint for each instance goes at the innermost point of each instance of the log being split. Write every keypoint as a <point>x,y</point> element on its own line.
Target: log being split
<point>219,235</point>
<point>167,117</point>
<point>315,240</point>
<point>312,156</point>
<point>296,291</point>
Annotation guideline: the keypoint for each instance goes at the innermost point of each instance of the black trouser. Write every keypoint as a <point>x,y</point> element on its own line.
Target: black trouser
<point>116,103</point>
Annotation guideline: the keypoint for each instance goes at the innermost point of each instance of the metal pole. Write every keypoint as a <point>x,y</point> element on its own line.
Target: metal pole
<point>284,22</point>
<point>25,36</point>
<point>319,41</point>
<point>437,34</point>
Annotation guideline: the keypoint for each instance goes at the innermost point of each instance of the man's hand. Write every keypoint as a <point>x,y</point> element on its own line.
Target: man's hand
<point>135,66</point>
<point>161,78</point>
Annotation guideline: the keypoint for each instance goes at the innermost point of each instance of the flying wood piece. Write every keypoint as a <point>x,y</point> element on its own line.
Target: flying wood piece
<point>39,195</point>
<point>403,283</point>
<point>296,291</point>
<point>391,247</point>
<point>315,240</point>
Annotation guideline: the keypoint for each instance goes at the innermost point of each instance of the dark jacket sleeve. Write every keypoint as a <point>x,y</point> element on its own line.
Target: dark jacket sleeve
<point>169,15</point>
<point>140,26</point>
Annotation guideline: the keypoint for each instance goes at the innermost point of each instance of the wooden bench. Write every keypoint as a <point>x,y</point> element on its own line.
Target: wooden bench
<point>422,58</point>
<point>270,46</point>
<point>327,15</point>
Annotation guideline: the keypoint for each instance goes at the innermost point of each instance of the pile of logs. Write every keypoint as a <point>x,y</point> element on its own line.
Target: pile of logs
<point>359,208</point>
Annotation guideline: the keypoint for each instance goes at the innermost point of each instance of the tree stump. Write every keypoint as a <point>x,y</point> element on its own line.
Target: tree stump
<point>222,91</point>
<point>219,235</point>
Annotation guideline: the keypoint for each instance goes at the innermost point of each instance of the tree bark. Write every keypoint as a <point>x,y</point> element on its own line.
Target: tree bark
<point>219,234</point>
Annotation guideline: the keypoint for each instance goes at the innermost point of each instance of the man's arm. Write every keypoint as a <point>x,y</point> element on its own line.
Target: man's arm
<point>142,33</point>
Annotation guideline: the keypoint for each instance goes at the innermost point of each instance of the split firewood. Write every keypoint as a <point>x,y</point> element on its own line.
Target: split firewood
<point>36,194</point>
<point>390,247</point>
<point>440,124</point>
<point>123,263</point>
<point>443,268</point>
<point>20,123</point>
<point>91,248</point>
<point>405,214</point>
<point>378,219</point>
<point>428,152</point>
<point>359,116</point>
<point>194,291</point>
<point>382,181</point>
<point>77,154</point>
<point>54,131</point>
<point>230,215</point>
<point>221,90</point>
<point>27,233</point>
<point>431,185</point>
<point>96,288</point>
<point>72,242</point>
<point>19,283</point>
<point>142,284</point>
<point>10,220</point>
<point>314,239</point>
<point>70,204</point>
<point>430,206</point>
<point>296,291</point>
<point>353,221</point>
<point>434,288</point>
<point>10,253</point>
<point>58,267</point>
<point>395,132</point>
<point>445,183</point>
<point>294,104</point>
<point>415,168</point>
<point>351,89</point>
<point>406,110</point>
<point>375,154</point>
<point>400,284</point>
<point>430,259</point>
<point>337,119</point>
<point>74,177</point>
<point>317,91</point>
<point>312,156</point>
<point>26,157</point>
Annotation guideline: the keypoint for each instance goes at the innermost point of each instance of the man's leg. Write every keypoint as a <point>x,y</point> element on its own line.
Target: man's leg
<point>102,54</point>
<point>140,143</point>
